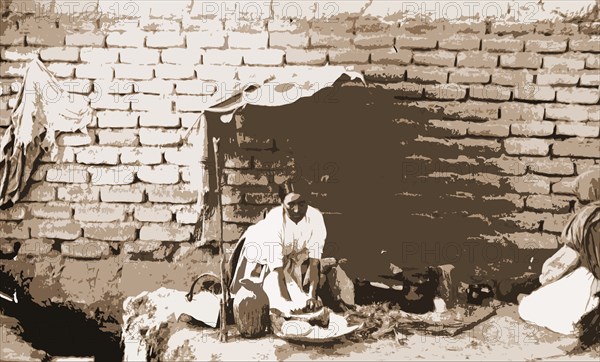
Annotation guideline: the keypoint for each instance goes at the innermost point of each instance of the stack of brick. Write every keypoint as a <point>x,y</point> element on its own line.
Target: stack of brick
<point>527,92</point>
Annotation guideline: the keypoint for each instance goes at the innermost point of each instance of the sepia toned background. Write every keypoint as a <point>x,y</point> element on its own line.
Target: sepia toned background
<point>460,148</point>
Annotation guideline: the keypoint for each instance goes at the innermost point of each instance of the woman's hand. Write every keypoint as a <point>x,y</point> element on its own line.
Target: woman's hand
<point>313,304</point>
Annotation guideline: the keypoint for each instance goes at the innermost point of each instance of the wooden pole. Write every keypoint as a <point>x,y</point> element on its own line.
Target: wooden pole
<point>224,286</point>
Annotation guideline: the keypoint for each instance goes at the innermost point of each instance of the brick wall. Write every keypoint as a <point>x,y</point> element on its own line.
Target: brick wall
<point>507,110</point>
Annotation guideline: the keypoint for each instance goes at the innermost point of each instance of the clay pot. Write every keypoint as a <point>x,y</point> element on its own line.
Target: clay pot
<point>251,310</point>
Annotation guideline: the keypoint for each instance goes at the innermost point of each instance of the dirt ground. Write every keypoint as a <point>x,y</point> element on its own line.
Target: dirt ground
<point>502,337</point>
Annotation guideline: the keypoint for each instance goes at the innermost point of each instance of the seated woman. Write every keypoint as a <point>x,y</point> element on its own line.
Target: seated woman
<point>571,277</point>
<point>278,250</point>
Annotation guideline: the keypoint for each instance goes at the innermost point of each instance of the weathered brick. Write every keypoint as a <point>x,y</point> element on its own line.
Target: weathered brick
<point>187,215</point>
<point>284,40</point>
<point>585,44</point>
<point>118,175</point>
<point>230,195</point>
<point>133,71</point>
<point>12,36</point>
<point>262,198</point>
<point>555,223</point>
<point>38,246</point>
<point>416,42</point>
<point>105,87</point>
<point>522,111</point>
<point>153,213</point>
<point>174,71</point>
<point>129,193</point>
<point>50,37</point>
<point>565,186</point>
<point>578,129</point>
<point>460,42</point>
<point>100,212</point>
<point>521,60</point>
<point>94,71</point>
<point>134,39</point>
<point>159,137</point>
<point>426,75</point>
<point>145,102</point>
<point>110,231</point>
<point>578,95</point>
<point>366,40</point>
<point>320,40</point>
<point>552,203</point>
<point>78,193</point>
<point>272,161</point>
<point>512,28</point>
<point>117,119</point>
<point>527,146</point>
<point>183,156</point>
<point>14,230</point>
<point>232,232</point>
<point>590,28</point>
<point>532,128</point>
<point>439,128</point>
<point>120,137</point>
<point>489,129</point>
<point>166,232</point>
<point>79,86</point>
<point>182,56</point>
<point>206,39</point>
<point>245,40</point>
<point>590,78</point>
<point>141,155</point>
<point>348,56</point>
<point>99,55</point>
<point>530,184</point>
<point>491,92</point>
<point>470,110</point>
<point>62,70</point>
<point>502,45</point>
<point>402,89</point>
<point>511,77</point>
<point>162,174</point>
<point>85,249</point>
<point>243,214</point>
<point>60,54</point>
<point>67,173</point>
<point>573,112</point>
<point>17,54</point>
<point>554,78</point>
<point>559,166</point>
<point>534,92</point>
<point>55,229</point>
<point>139,56</point>
<point>288,24</point>
<point>577,147</point>
<point>391,56</point>
<point>437,57</point>
<point>477,59</point>
<point>104,101</point>
<point>50,211</point>
<point>305,57</point>
<point>223,57</point>
<point>159,25</point>
<point>89,38</point>
<point>12,70</point>
<point>546,45</point>
<point>527,240</point>
<point>564,62</point>
<point>195,87</point>
<point>14,213</point>
<point>445,91</point>
<point>98,155</point>
<point>467,75</point>
<point>555,27</point>
<point>246,178</point>
<point>593,61</point>
<point>270,57</point>
<point>154,86</point>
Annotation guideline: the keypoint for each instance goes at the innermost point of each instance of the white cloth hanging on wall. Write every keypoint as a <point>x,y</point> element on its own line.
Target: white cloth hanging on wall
<point>42,109</point>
